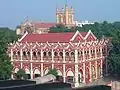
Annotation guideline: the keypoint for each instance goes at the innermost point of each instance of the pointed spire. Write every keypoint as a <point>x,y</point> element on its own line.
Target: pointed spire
<point>66,3</point>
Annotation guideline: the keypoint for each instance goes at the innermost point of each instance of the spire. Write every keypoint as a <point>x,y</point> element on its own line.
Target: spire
<point>66,3</point>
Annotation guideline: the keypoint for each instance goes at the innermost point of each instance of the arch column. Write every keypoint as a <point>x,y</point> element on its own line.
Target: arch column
<point>90,65</point>
<point>11,55</point>
<point>52,59</point>
<point>102,63</point>
<point>31,65</point>
<point>76,69</point>
<point>64,73</point>
<point>21,54</point>
<point>42,72</point>
<point>83,65</point>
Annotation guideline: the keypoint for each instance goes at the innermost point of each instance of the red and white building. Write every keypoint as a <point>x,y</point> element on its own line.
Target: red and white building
<point>77,56</point>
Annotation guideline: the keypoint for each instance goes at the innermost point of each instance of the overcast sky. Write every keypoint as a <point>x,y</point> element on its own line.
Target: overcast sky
<point>13,12</point>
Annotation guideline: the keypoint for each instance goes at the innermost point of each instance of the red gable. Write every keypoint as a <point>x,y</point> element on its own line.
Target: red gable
<point>55,37</point>
<point>43,25</point>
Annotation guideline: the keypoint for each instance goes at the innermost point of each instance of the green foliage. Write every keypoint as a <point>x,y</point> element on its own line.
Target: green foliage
<point>53,72</point>
<point>21,74</point>
<point>5,64</point>
<point>102,29</point>
<point>6,36</point>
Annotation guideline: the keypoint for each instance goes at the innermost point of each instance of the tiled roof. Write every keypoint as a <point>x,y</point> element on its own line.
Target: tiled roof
<point>43,25</point>
<point>48,37</point>
<point>58,37</point>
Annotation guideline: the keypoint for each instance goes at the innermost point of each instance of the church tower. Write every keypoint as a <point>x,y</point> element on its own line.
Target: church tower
<point>65,16</point>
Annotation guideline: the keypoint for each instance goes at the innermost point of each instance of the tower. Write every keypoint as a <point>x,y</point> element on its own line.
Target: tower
<point>65,15</point>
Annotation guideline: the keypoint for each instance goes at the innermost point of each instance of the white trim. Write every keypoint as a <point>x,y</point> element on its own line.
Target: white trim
<point>77,32</point>
<point>19,40</point>
<point>89,32</point>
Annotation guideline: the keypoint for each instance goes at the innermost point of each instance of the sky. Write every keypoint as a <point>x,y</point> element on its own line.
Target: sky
<point>13,12</point>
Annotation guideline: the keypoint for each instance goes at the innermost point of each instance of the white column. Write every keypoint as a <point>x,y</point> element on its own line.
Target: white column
<point>83,65</point>
<point>76,69</point>
<point>101,68</point>
<point>52,59</point>
<point>31,70</point>
<point>90,71</point>
<point>96,68</point>
<point>95,53</point>
<point>31,64</point>
<point>42,71</point>
<point>21,55</point>
<point>64,72</point>
<point>101,52</point>
<point>11,55</point>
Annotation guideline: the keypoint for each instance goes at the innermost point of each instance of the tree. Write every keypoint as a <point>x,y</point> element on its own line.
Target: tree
<point>21,74</point>
<point>53,72</point>
<point>5,64</point>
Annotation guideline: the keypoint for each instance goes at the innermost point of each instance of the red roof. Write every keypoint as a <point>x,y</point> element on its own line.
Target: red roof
<point>43,25</point>
<point>50,37</point>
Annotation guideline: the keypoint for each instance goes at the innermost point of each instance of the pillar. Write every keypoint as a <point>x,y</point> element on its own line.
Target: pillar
<point>76,69</point>
<point>101,68</point>
<point>52,59</point>
<point>64,71</point>
<point>90,71</point>
<point>83,65</point>
<point>31,64</point>
<point>42,71</point>
<point>96,69</point>
<point>11,55</point>
<point>31,70</point>
<point>21,54</point>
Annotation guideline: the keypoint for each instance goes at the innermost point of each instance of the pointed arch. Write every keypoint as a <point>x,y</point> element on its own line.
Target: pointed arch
<point>27,71</point>
<point>70,73</point>
<point>59,72</point>
<point>37,71</point>
<point>16,70</point>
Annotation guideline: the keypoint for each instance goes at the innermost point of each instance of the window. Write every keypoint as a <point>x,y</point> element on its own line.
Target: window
<point>14,53</point>
<point>55,53</point>
<point>72,53</point>
<point>28,53</point>
<point>24,53</point>
<point>67,54</point>
<point>44,54</point>
<point>38,53</point>
<point>34,54</point>
<point>49,54</point>
<point>18,53</point>
<point>61,54</point>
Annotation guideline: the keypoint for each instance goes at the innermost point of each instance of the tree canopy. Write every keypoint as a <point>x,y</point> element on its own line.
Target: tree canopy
<point>6,36</point>
<point>53,72</point>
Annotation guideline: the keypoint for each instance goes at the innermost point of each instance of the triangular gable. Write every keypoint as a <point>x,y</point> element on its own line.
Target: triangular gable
<point>90,36</point>
<point>77,37</point>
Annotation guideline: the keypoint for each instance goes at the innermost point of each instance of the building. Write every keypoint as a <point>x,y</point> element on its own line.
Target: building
<point>65,16</point>
<point>80,24</point>
<point>34,27</point>
<point>77,56</point>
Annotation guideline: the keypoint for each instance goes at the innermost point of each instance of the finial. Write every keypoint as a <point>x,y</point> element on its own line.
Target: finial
<point>66,3</point>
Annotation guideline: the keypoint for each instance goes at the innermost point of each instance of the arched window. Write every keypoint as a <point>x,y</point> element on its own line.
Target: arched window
<point>55,53</point>
<point>28,53</point>
<point>44,54</point>
<point>24,53</point>
<point>72,53</point>
<point>61,54</point>
<point>14,53</point>
<point>34,54</point>
<point>18,53</point>
<point>67,53</point>
<point>38,53</point>
<point>49,54</point>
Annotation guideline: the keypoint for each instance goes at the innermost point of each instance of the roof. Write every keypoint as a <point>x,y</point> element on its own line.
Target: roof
<point>57,37</point>
<point>43,24</point>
